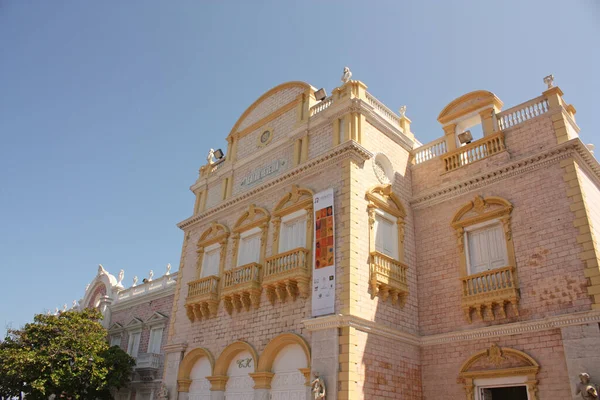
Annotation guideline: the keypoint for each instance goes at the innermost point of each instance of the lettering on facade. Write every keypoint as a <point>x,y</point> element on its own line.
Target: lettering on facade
<point>244,362</point>
<point>260,173</point>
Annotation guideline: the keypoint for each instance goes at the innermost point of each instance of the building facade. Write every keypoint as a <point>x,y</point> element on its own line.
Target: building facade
<point>137,319</point>
<point>329,242</point>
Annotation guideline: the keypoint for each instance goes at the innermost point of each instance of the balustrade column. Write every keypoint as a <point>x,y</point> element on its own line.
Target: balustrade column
<point>450,135</point>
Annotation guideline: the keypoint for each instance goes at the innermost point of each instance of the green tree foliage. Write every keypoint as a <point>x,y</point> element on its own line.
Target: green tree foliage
<point>66,355</point>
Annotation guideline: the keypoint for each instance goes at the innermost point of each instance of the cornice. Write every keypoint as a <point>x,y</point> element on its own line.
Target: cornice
<point>516,328</point>
<point>144,298</point>
<point>175,348</point>
<point>348,149</point>
<point>560,152</point>
<point>340,321</point>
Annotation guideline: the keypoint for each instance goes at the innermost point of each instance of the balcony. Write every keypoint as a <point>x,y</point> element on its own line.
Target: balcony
<point>475,151</point>
<point>148,365</point>
<point>241,288</point>
<point>287,274</point>
<point>388,278</point>
<point>488,289</point>
<point>203,298</point>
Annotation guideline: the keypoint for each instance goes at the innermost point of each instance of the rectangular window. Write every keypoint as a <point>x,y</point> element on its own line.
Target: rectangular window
<point>486,248</point>
<point>249,250</point>
<point>155,340</point>
<point>115,340</point>
<point>134,344</point>
<point>211,260</point>
<point>386,234</point>
<point>293,231</point>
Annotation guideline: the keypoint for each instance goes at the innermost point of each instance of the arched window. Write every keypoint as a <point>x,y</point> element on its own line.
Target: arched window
<point>487,257</point>
<point>386,244</point>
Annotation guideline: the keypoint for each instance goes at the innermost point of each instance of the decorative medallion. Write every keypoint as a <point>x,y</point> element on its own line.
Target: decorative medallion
<point>382,167</point>
<point>265,137</point>
<point>495,355</point>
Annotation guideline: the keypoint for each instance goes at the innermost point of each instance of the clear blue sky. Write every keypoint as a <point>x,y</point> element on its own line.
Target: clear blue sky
<point>107,108</point>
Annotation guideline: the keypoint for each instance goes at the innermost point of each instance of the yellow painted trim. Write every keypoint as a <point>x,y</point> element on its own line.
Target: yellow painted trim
<point>497,355</point>
<point>503,214</point>
<point>276,345</point>
<point>188,362</point>
<point>269,93</point>
<point>454,110</point>
<point>227,355</point>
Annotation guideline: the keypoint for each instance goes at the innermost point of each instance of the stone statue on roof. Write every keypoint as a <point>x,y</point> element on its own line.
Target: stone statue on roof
<point>347,75</point>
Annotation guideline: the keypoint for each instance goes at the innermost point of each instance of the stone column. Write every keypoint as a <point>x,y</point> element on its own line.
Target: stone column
<point>173,357</point>
<point>217,386</point>
<point>262,385</point>
<point>450,134</point>
<point>325,349</point>
<point>581,344</point>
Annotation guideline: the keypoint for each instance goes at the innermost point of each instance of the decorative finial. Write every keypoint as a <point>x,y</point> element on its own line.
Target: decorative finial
<point>56,311</point>
<point>549,80</point>
<point>168,269</point>
<point>150,276</point>
<point>135,281</point>
<point>48,312</point>
<point>121,276</point>
<point>87,287</point>
<point>101,270</point>
<point>402,111</point>
<point>209,157</point>
<point>74,305</point>
<point>347,75</point>
<point>64,307</point>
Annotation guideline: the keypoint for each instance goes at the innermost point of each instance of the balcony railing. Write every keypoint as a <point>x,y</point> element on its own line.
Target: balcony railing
<point>388,278</point>
<point>382,110</point>
<point>430,151</point>
<point>321,106</point>
<point>485,290</point>
<point>476,151</point>
<point>522,112</point>
<point>148,361</point>
<point>241,287</point>
<point>203,298</point>
<point>287,274</point>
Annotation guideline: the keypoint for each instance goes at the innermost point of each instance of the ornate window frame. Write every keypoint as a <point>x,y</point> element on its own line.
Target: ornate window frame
<point>481,210</point>
<point>503,359</point>
<point>240,286</point>
<point>295,200</point>
<point>381,197</point>
<point>216,233</point>
<point>287,274</point>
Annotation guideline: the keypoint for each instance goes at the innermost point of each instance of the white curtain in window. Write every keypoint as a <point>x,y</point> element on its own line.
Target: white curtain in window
<point>386,236</point>
<point>155,340</point>
<point>249,250</point>
<point>134,344</point>
<point>292,234</point>
<point>210,263</point>
<point>486,249</point>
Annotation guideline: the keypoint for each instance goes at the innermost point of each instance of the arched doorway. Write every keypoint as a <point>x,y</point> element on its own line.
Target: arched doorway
<point>200,386</point>
<point>500,373</point>
<point>288,381</point>
<point>240,386</point>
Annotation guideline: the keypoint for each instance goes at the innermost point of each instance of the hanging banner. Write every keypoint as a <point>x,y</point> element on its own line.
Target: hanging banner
<point>323,288</point>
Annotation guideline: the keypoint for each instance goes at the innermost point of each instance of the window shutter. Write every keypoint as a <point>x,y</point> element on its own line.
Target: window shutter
<point>134,344</point>
<point>210,264</point>
<point>155,340</point>
<point>386,237</point>
<point>249,250</point>
<point>293,235</point>
<point>487,249</point>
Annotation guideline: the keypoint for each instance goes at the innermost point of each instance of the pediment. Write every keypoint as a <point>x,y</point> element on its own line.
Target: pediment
<point>134,324</point>
<point>468,103</point>
<point>255,216</point>
<point>269,103</point>
<point>157,319</point>
<point>296,198</point>
<point>481,209</point>
<point>116,328</point>
<point>498,358</point>
<point>214,233</point>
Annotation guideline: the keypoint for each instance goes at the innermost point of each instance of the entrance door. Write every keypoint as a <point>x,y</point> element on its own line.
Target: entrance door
<point>503,393</point>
